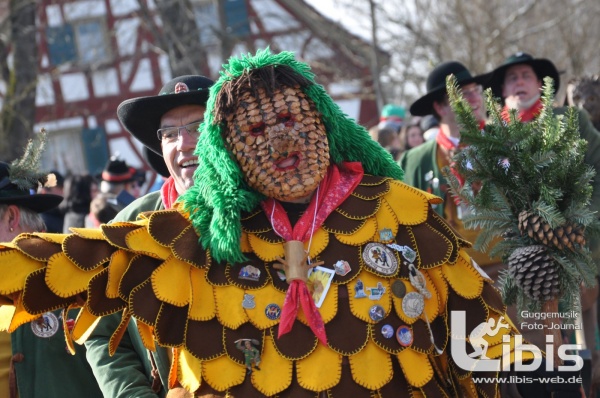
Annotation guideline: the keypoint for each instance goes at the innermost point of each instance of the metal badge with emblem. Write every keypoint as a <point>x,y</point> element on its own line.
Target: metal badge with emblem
<point>250,273</point>
<point>386,235</point>
<point>273,311</point>
<point>342,267</point>
<point>248,301</point>
<point>46,325</point>
<point>404,336</point>
<point>359,289</point>
<point>413,304</point>
<point>380,258</point>
<point>409,254</point>
<point>375,293</point>
<point>398,289</point>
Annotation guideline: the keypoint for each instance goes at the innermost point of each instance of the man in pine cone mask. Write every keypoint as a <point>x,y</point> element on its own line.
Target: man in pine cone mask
<point>283,171</point>
<point>286,182</point>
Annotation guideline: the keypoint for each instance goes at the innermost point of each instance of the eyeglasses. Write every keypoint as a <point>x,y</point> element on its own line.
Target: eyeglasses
<point>171,134</point>
<point>471,92</point>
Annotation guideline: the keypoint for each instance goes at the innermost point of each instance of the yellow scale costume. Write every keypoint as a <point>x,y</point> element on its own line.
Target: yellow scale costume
<point>155,270</point>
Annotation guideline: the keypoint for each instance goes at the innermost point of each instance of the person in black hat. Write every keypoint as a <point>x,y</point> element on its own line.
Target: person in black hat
<point>33,359</point>
<point>120,180</point>
<point>518,81</point>
<point>423,165</point>
<point>167,124</point>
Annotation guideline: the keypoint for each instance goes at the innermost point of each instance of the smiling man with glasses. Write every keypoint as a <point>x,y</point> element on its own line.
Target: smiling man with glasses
<point>168,125</point>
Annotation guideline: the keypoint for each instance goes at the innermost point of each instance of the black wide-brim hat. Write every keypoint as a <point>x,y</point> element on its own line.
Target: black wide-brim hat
<point>11,194</point>
<point>141,116</point>
<point>541,66</point>
<point>436,85</point>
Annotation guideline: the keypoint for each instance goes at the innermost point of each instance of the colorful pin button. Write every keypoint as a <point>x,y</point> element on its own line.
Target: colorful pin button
<point>376,313</point>
<point>342,267</point>
<point>273,311</point>
<point>387,331</point>
<point>404,336</point>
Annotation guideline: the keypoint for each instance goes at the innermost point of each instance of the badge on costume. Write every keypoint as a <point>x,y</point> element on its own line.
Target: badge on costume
<point>342,267</point>
<point>273,311</point>
<point>409,254</point>
<point>45,326</point>
<point>399,289</point>
<point>375,293</point>
<point>387,331</point>
<point>376,313</point>
<point>413,304</point>
<point>250,273</point>
<point>248,302</point>
<point>359,289</point>
<point>404,336</point>
<point>386,235</point>
<point>380,258</point>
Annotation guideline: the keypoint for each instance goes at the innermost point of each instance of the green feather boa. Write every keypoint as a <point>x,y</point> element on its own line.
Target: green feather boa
<point>220,194</point>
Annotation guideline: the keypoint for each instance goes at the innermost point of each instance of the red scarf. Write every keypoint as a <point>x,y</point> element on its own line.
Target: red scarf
<point>168,193</point>
<point>524,116</point>
<point>450,148</point>
<point>337,185</point>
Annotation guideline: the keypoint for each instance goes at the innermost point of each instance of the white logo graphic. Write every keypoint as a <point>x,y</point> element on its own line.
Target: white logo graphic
<point>476,337</point>
<point>479,362</point>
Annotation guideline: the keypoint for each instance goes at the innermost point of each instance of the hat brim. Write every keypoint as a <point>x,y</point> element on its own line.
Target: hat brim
<point>37,202</point>
<point>541,66</point>
<point>141,116</point>
<point>424,105</point>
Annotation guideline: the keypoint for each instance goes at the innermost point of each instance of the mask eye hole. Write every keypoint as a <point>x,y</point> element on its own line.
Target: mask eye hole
<point>286,119</point>
<point>257,129</point>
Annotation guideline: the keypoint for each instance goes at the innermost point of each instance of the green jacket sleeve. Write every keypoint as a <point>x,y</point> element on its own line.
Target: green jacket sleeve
<point>127,373</point>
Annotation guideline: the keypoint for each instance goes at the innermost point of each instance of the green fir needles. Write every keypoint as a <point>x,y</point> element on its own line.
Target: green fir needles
<point>528,191</point>
<point>24,172</point>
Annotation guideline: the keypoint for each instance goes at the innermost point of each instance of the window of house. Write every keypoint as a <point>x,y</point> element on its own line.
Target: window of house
<point>84,42</point>
<point>91,41</point>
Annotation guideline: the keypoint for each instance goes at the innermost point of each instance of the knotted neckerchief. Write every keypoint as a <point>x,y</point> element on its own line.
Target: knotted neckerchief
<point>526,115</point>
<point>168,193</point>
<point>337,185</point>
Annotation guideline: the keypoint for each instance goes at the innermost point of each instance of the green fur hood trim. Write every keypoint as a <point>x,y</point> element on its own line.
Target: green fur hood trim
<point>220,194</point>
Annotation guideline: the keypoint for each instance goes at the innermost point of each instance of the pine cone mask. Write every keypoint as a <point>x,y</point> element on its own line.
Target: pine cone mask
<point>279,142</point>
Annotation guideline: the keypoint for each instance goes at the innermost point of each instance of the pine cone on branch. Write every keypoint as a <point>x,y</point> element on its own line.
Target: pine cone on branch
<point>562,237</point>
<point>535,272</point>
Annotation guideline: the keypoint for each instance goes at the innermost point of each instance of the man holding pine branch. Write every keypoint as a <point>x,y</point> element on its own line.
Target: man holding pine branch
<point>518,81</point>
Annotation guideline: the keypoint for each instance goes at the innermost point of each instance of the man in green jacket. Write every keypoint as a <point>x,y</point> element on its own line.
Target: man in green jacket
<point>167,124</point>
<point>423,164</point>
<point>34,360</point>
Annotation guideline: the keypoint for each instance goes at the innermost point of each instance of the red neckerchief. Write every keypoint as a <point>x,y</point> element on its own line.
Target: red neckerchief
<point>450,148</point>
<point>337,185</point>
<point>168,193</point>
<point>524,116</point>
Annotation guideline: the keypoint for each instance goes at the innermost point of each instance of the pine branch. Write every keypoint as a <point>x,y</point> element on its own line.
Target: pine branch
<point>533,169</point>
